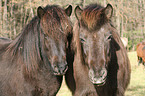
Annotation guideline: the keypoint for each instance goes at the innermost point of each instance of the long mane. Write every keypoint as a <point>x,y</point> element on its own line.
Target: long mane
<point>27,46</point>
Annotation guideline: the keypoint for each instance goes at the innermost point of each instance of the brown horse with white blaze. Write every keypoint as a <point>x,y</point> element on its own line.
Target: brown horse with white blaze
<point>100,59</point>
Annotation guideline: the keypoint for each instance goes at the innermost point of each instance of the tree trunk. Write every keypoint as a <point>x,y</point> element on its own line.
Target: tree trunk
<point>122,23</point>
<point>118,18</point>
<point>11,20</point>
<point>5,21</point>
<point>104,2</point>
<point>143,18</point>
<point>31,10</point>
<point>0,17</point>
<point>82,3</point>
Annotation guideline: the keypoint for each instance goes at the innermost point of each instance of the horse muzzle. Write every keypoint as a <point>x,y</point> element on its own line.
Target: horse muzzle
<point>60,70</point>
<point>98,78</point>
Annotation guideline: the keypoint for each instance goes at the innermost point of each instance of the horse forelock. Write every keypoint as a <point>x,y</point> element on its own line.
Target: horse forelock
<point>59,24</point>
<point>93,17</point>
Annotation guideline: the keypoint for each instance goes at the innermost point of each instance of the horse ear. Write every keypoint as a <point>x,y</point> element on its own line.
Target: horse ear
<point>108,10</point>
<point>40,11</point>
<point>78,12</point>
<point>68,10</point>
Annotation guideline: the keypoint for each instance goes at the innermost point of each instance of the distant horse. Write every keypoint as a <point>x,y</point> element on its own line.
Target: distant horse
<point>125,41</point>
<point>98,65</point>
<point>33,63</point>
<point>140,49</point>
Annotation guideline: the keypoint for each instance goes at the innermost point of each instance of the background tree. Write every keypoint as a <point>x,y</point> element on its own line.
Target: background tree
<point>129,16</point>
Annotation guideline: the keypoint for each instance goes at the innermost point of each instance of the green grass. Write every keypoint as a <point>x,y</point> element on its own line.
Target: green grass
<point>137,83</point>
<point>64,91</point>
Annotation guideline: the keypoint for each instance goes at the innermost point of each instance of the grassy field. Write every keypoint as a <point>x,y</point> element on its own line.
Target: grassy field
<point>137,83</point>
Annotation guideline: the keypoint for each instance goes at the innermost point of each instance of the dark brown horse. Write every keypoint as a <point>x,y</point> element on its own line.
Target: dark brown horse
<point>30,64</point>
<point>99,60</point>
<point>140,49</point>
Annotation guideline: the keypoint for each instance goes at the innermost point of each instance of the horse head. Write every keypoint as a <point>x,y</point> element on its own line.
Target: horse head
<point>95,37</point>
<point>55,27</point>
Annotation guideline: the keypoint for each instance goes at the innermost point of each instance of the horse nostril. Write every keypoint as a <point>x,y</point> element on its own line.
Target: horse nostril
<point>63,69</point>
<point>91,74</point>
<point>103,73</point>
<point>55,68</point>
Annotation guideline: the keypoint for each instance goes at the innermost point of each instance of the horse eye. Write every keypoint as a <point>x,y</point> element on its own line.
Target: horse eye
<point>109,37</point>
<point>82,40</point>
